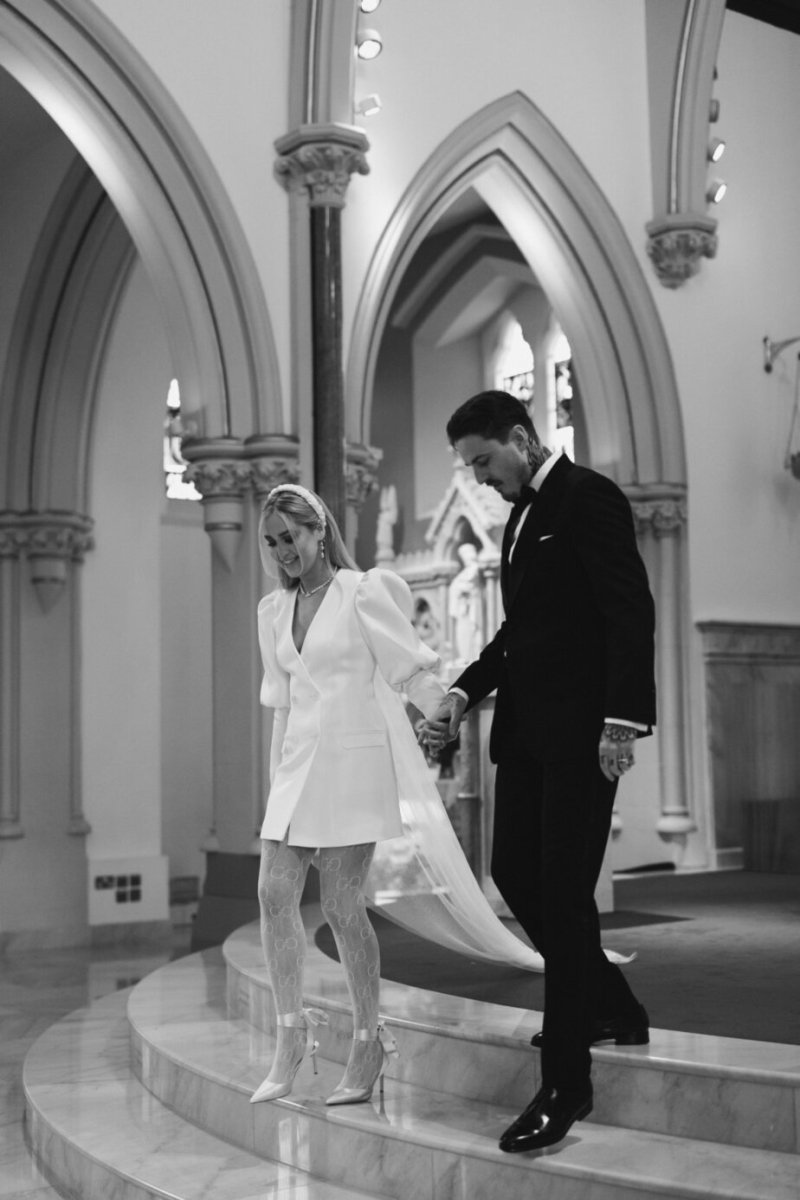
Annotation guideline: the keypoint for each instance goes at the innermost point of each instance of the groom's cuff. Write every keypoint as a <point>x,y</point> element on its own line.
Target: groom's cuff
<point>617,721</point>
<point>458,692</point>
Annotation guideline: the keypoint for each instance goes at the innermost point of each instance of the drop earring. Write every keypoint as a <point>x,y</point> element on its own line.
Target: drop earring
<point>322,547</point>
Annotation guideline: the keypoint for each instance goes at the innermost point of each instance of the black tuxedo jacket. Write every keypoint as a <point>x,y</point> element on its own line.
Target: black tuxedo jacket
<point>577,642</point>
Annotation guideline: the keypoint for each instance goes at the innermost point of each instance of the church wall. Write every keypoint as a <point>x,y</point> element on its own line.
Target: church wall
<point>444,375</point>
<point>743,506</point>
<point>226,67</point>
<point>566,56</point>
<point>43,873</point>
<point>121,618</point>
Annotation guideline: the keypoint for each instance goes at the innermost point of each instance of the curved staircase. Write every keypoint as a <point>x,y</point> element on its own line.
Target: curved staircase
<point>146,1094</point>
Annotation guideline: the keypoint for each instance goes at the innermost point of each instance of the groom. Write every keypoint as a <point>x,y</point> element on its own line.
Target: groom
<point>572,664</point>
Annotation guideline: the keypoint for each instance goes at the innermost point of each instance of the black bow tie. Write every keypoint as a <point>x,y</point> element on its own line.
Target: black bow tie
<point>527,495</point>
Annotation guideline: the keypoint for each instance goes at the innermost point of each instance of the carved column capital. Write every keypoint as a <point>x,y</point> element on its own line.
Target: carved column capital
<point>676,246</point>
<point>217,470</point>
<point>659,509</point>
<point>273,459</point>
<point>63,535</point>
<point>361,473</point>
<point>215,467</point>
<point>321,159</point>
<point>50,540</point>
<point>664,518</point>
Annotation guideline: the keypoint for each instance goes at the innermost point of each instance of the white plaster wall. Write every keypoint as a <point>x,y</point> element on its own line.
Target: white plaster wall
<point>444,375</point>
<point>582,63</point>
<point>744,507</point>
<point>121,616</point>
<point>226,66</point>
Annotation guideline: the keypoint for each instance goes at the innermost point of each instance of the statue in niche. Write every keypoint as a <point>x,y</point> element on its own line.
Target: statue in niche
<point>426,625</point>
<point>387,519</point>
<point>465,604</point>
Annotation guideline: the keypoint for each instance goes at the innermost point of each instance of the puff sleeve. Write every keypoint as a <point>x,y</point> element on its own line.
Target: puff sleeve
<point>275,684</point>
<point>383,607</point>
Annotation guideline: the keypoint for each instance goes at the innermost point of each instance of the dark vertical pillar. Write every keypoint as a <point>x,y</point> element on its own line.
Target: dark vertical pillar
<point>319,160</point>
<point>328,376</point>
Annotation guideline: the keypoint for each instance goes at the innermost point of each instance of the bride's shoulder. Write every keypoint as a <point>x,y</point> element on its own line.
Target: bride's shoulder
<point>272,602</point>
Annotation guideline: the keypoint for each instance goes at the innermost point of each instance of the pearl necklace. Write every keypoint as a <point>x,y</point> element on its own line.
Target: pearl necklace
<point>318,588</point>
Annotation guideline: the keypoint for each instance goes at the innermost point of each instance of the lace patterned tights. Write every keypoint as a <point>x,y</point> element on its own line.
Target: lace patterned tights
<point>343,872</point>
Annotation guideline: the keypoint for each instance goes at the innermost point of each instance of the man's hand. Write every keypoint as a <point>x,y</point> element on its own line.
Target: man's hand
<point>617,744</point>
<point>442,727</point>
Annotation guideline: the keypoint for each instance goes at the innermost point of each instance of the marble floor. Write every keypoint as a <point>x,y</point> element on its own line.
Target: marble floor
<point>37,988</point>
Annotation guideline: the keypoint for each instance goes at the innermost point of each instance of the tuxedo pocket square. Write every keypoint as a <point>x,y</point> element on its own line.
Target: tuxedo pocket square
<point>545,537</point>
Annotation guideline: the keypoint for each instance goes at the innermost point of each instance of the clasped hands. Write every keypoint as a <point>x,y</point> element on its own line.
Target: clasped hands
<point>616,749</point>
<point>435,732</point>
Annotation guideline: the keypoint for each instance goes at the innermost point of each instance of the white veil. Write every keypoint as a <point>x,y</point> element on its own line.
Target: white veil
<point>423,881</point>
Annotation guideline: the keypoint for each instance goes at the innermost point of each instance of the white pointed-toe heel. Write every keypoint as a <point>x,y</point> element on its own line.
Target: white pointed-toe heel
<point>304,1021</point>
<point>344,1094</point>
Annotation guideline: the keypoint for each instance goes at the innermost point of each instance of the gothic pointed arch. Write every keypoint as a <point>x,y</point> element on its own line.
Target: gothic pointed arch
<point>77,273</point>
<point>128,130</point>
<point>519,164</point>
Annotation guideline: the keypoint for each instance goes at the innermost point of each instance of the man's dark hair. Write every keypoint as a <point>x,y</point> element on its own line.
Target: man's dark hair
<point>490,414</point>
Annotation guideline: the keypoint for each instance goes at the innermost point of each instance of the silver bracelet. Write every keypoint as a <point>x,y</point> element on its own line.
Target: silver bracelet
<point>619,733</point>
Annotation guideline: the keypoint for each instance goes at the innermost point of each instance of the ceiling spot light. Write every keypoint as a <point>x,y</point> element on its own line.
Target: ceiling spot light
<point>716,190</point>
<point>369,6</point>
<point>713,111</point>
<point>369,44</point>
<point>716,149</point>
<point>369,105</point>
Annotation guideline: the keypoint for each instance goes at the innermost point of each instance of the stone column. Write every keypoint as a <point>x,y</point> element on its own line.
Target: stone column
<point>318,161</point>
<point>10,824</point>
<point>661,514</point>
<point>218,469</point>
<point>53,543</point>
<point>361,478</point>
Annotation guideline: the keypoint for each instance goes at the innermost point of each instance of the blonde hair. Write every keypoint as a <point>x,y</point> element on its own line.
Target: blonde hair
<point>291,503</point>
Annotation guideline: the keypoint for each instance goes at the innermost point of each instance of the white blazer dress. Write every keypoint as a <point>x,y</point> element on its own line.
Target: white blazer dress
<point>333,780</point>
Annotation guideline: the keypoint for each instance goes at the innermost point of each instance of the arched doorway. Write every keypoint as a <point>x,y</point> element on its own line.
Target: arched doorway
<point>519,167</point>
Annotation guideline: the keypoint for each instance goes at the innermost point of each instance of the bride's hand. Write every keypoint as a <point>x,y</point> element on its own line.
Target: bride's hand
<point>433,735</point>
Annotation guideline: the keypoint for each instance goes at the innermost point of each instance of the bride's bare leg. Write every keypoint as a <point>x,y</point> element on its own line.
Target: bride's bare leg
<point>282,876</point>
<point>343,872</point>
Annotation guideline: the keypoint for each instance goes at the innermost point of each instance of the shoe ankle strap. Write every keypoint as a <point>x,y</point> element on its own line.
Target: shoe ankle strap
<point>306,1016</point>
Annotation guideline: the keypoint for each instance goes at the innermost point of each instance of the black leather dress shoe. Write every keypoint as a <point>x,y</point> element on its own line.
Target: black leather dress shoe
<point>547,1119</point>
<point>624,1032</point>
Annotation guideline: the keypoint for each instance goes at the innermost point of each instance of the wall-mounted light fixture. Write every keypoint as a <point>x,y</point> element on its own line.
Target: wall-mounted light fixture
<point>716,190</point>
<point>716,149</point>
<point>791,459</point>
<point>369,106</point>
<point>368,44</point>
<point>773,349</point>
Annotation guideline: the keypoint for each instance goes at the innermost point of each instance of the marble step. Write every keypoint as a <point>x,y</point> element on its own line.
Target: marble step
<point>685,1085</point>
<point>420,1142</point>
<point>97,1133</point>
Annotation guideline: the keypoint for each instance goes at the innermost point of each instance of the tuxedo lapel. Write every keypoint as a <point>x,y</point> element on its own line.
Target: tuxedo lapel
<point>538,522</point>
